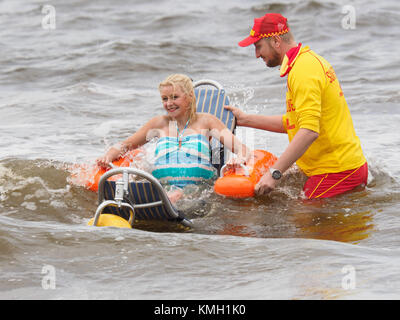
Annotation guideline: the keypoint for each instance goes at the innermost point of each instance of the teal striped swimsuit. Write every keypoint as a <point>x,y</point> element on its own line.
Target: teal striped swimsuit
<point>189,164</point>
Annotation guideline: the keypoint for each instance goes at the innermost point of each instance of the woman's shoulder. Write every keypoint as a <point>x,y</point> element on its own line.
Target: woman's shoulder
<point>205,116</point>
<point>208,119</point>
<point>158,121</point>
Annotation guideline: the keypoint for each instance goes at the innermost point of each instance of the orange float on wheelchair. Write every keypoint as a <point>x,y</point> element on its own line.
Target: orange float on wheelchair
<point>88,175</point>
<point>240,182</point>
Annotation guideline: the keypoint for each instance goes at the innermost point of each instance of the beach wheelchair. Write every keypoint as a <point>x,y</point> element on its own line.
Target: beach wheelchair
<point>145,199</point>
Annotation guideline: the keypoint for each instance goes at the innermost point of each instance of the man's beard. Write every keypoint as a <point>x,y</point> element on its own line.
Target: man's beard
<point>275,61</point>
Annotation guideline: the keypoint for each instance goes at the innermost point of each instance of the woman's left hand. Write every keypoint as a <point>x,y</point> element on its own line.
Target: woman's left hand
<point>236,162</point>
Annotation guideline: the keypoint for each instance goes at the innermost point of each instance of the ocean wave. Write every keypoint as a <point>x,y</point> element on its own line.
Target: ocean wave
<point>293,7</point>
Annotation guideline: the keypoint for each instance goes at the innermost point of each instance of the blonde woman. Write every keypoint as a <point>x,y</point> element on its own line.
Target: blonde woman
<point>182,154</point>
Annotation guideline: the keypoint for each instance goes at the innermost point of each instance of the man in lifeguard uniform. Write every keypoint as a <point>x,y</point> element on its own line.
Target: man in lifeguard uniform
<point>322,139</point>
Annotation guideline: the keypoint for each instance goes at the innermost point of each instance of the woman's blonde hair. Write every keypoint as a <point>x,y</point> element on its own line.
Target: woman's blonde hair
<point>186,85</point>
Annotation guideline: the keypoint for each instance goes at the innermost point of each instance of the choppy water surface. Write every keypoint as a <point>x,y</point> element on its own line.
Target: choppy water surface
<point>69,93</point>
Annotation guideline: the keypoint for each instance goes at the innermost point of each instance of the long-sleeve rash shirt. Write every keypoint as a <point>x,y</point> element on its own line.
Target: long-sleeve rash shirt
<point>315,101</point>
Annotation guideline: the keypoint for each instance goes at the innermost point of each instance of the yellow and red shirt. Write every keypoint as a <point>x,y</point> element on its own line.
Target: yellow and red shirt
<point>315,101</point>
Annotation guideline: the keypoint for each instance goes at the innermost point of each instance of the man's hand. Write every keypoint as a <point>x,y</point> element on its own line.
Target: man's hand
<point>265,185</point>
<point>299,144</point>
<point>239,114</point>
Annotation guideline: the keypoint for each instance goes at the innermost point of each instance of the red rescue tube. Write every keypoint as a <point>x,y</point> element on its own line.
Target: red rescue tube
<point>235,183</point>
<point>89,176</point>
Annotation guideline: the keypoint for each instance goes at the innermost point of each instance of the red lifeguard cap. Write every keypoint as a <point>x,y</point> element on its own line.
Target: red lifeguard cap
<point>271,24</point>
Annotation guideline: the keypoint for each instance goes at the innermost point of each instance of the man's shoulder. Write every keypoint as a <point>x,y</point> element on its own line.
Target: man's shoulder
<point>310,59</point>
<point>308,65</point>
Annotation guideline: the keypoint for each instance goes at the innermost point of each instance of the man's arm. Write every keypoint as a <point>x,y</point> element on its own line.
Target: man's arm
<point>296,148</point>
<point>269,123</point>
